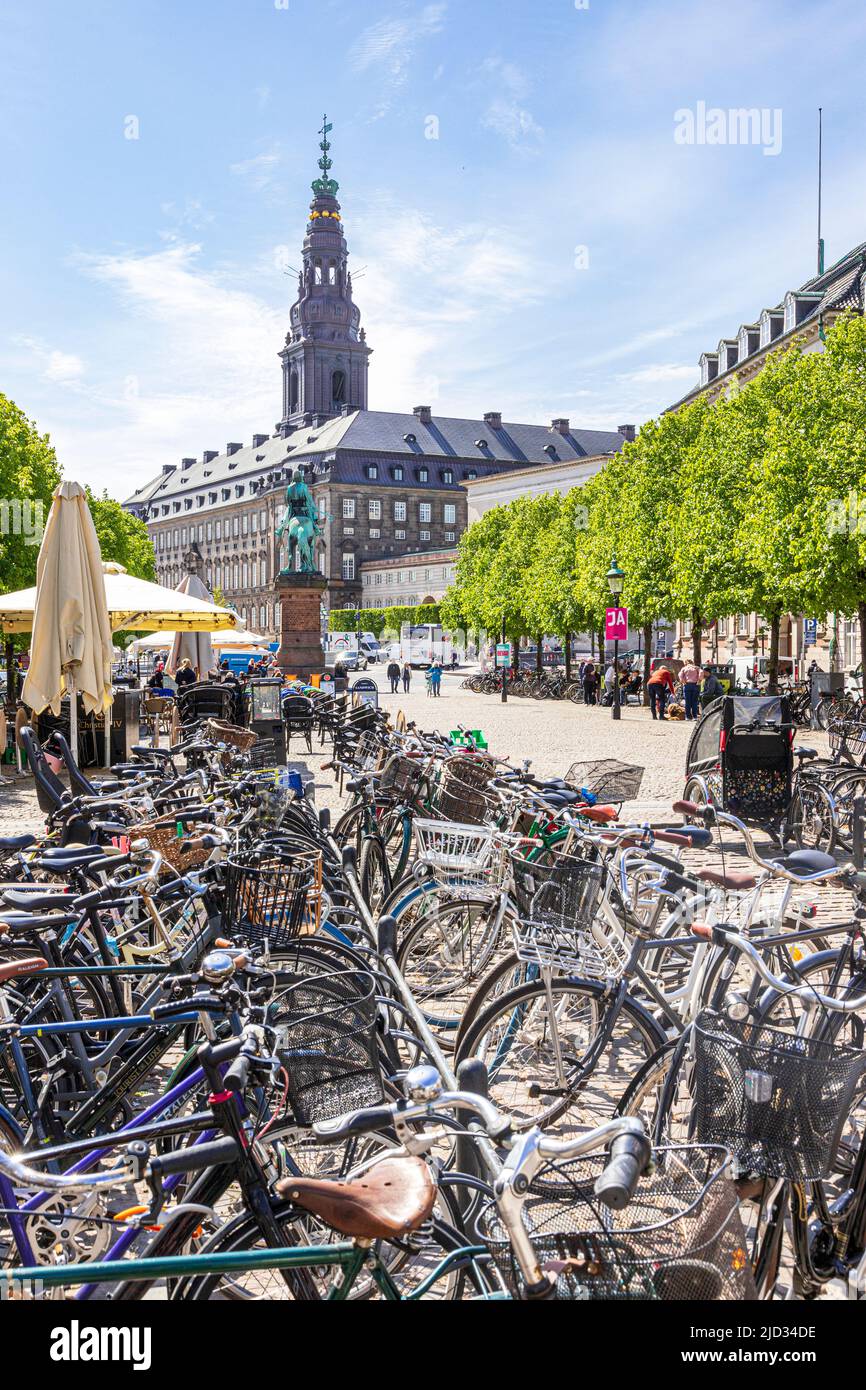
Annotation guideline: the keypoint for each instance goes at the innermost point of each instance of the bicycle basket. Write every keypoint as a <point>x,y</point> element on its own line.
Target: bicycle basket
<point>848,739</point>
<point>606,779</point>
<point>557,921</point>
<point>263,754</point>
<point>220,731</point>
<point>170,837</point>
<point>680,1238</point>
<point>327,1042</point>
<point>777,1101</point>
<point>401,778</point>
<point>460,794</point>
<point>272,896</point>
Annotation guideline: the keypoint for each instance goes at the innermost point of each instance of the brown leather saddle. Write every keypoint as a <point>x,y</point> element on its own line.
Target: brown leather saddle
<point>391,1199</point>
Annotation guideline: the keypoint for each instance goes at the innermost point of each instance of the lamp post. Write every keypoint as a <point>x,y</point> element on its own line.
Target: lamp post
<point>505,668</point>
<point>615,581</point>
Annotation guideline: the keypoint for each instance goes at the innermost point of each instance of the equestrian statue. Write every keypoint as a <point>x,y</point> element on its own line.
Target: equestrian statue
<point>300,527</point>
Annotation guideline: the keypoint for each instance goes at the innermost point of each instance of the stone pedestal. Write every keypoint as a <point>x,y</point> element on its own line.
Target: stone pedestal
<point>300,596</point>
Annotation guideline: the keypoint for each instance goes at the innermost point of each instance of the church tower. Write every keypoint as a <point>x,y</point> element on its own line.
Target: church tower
<point>326,355</point>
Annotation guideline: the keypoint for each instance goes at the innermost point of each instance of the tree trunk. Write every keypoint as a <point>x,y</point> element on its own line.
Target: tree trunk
<point>568,656</point>
<point>647,659</point>
<point>601,651</point>
<point>539,657</point>
<point>861,614</point>
<point>696,636</point>
<point>773,663</point>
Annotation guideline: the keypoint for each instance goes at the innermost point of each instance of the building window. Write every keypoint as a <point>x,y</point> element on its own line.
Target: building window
<point>374,509</point>
<point>423,475</point>
<point>398,473</point>
<point>389,577</point>
<point>425,511</point>
<point>348,530</point>
<point>338,384</point>
<point>399,535</point>
<point>372,471</point>
<point>263,617</point>
<point>424,535</point>
<point>399,511</point>
<point>449,535</point>
<point>254,521</point>
<point>236,526</point>
<point>378,577</point>
<point>348,569</point>
<point>447,475</point>
<point>245,575</point>
<point>375,533</point>
<point>449,513</point>
<point>349,507</point>
<point>742,624</point>
<point>322,506</point>
<point>470,474</point>
<point>263,520</point>
<point>722,627</point>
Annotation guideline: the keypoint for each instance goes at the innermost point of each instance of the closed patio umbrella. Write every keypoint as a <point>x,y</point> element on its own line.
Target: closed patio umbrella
<point>195,646</point>
<point>70,649</point>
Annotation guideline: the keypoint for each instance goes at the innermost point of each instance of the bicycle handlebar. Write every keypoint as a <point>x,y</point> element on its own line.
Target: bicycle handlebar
<point>721,936</point>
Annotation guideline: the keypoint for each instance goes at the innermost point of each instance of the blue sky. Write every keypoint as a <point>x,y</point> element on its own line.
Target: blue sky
<point>143,297</point>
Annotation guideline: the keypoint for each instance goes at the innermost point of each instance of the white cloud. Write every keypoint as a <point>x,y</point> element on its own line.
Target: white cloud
<point>54,365</point>
<point>661,374</point>
<point>506,113</point>
<point>259,170</point>
<point>389,47</point>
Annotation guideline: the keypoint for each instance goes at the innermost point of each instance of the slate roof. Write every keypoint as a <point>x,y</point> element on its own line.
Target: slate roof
<point>366,435</point>
<point>840,287</point>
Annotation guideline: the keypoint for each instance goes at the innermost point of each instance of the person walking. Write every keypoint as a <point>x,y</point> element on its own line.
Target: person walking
<point>436,678</point>
<point>393,674</point>
<point>407,677</point>
<point>690,677</point>
<point>660,685</point>
<point>590,683</point>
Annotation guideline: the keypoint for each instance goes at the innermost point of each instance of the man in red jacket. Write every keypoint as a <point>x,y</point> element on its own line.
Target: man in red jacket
<point>660,685</point>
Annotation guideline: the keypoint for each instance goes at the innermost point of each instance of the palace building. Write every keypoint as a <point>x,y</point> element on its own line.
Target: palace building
<point>389,486</point>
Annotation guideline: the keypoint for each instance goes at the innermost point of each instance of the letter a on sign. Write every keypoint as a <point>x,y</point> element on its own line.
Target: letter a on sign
<point>616,624</point>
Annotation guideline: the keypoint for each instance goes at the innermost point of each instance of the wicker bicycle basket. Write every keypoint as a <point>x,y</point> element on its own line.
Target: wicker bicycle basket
<point>273,894</point>
<point>777,1101</point>
<point>461,795</point>
<point>170,838</point>
<point>327,1041</point>
<point>401,778</point>
<point>220,731</point>
<point>680,1238</point>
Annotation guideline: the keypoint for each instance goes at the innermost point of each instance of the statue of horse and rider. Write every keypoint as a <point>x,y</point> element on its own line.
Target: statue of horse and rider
<point>300,527</point>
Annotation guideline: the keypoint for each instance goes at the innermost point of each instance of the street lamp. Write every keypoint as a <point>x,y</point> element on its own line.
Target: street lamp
<point>615,581</point>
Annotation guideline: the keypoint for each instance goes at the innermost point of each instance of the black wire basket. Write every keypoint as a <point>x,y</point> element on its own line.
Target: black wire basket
<point>402,779</point>
<point>327,1041</point>
<point>607,779</point>
<point>272,895</point>
<point>777,1101</point>
<point>556,904</point>
<point>848,739</point>
<point>679,1239</point>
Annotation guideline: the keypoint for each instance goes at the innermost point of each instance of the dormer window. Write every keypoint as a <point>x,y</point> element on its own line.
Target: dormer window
<point>551,451</point>
<point>748,341</point>
<point>798,307</point>
<point>409,439</point>
<point>199,501</point>
<point>398,473</point>
<point>470,474</point>
<point>423,475</point>
<point>372,471</point>
<point>226,493</point>
<point>727,353</point>
<point>709,367</point>
<point>448,476</point>
<point>772,325</point>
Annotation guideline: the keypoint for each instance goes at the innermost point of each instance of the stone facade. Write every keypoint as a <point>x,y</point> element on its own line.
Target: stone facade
<point>422,577</point>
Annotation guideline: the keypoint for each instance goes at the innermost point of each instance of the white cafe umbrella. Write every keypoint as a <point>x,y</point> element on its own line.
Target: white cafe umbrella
<point>70,650</point>
<point>238,640</point>
<point>132,603</point>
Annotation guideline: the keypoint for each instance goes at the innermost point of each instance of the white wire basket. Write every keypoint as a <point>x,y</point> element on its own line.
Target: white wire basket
<point>560,919</point>
<point>465,858</point>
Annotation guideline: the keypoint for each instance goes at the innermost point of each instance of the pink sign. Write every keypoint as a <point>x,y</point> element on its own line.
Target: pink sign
<point>616,624</point>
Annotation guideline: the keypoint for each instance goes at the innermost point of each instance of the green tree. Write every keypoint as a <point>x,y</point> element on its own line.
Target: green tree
<point>29,473</point>
<point>122,538</point>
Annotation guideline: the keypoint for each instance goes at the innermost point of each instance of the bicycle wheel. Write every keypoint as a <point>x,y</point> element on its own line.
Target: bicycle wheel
<point>374,873</point>
<point>563,1049</point>
<point>444,953</point>
<point>811,818</point>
